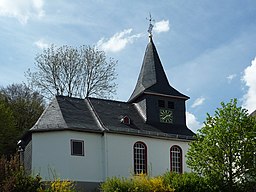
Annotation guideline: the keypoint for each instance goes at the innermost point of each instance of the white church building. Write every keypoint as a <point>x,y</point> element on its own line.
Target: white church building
<point>88,140</point>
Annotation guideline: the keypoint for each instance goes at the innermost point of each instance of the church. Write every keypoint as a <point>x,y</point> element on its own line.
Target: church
<point>89,140</point>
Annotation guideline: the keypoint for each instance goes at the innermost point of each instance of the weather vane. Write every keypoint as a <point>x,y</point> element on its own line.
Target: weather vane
<point>150,24</point>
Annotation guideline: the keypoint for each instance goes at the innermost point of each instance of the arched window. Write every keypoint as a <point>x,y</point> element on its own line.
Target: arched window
<point>140,158</point>
<point>176,159</point>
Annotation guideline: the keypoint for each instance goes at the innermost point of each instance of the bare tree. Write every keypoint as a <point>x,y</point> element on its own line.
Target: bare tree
<point>69,71</point>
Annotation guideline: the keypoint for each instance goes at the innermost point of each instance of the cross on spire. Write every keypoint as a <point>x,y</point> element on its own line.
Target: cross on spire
<point>150,25</point>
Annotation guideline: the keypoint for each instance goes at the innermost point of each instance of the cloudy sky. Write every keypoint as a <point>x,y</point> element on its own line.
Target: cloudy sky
<point>207,48</point>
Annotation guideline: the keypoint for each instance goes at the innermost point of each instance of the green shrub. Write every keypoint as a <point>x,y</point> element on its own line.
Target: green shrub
<point>141,183</point>
<point>138,183</point>
<point>115,184</point>
<point>186,182</point>
<point>13,177</point>
<point>60,186</point>
<point>157,184</point>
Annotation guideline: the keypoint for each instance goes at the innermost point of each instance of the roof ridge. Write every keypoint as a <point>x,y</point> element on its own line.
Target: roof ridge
<point>107,100</point>
<point>92,98</point>
<point>95,114</point>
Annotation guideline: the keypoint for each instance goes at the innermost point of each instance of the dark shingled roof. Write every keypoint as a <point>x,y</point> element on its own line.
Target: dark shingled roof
<point>67,113</point>
<point>152,78</point>
<point>99,115</point>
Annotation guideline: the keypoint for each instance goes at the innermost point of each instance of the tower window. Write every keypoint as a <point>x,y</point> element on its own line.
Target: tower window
<point>170,105</point>
<point>161,103</point>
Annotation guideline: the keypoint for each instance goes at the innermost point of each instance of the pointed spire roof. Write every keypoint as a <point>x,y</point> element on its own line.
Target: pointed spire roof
<point>152,78</point>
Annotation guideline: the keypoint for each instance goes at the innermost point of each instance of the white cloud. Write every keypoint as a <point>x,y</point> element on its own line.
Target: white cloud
<point>118,41</point>
<point>41,44</point>
<point>231,77</point>
<point>192,122</point>
<point>38,4</point>
<point>198,101</point>
<point>161,26</point>
<point>249,77</point>
<point>21,9</point>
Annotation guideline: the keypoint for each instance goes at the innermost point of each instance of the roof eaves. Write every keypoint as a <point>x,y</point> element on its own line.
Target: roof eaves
<point>165,95</point>
<point>132,99</point>
<point>66,129</point>
<point>152,134</point>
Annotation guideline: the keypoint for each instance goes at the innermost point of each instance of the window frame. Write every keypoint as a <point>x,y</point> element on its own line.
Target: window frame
<point>140,168</point>
<point>176,169</point>
<point>126,120</point>
<point>170,105</point>
<point>72,149</point>
<point>161,103</point>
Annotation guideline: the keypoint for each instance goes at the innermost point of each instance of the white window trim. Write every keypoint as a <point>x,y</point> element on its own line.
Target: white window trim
<point>71,145</point>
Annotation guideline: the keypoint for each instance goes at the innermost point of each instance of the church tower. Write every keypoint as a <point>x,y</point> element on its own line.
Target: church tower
<point>161,105</point>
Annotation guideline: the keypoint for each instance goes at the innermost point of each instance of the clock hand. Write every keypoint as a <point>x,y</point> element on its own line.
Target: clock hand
<point>166,116</point>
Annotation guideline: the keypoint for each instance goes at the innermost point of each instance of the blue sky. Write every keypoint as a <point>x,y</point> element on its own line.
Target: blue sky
<point>207,48</point>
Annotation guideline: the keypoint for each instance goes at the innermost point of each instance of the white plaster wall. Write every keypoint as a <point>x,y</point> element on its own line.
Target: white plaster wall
<point>120,154</point>
<point>105,156</point>
<point>52,153</point>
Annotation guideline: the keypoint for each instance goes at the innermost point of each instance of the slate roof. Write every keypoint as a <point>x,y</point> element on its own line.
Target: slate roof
<point>152,78</point>
<point>99,115</point>
<point>67,113</point>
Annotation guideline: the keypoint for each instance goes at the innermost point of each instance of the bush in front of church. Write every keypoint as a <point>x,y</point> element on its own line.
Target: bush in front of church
<point>140,183</point>
<point>168,182</point>
<point>186,182</point>
<point>137,183</point>
<point>60,186</point>
<point>13,177</point>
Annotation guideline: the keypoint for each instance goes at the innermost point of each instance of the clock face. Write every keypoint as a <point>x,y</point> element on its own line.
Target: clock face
<point>166,116</point>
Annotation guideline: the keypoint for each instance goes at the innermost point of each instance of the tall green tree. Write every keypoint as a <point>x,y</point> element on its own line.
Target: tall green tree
<point>71,71</point>
<point>224,149</point>
<point>20,108</point>
<point>26,105</point>
<point>7,130</point>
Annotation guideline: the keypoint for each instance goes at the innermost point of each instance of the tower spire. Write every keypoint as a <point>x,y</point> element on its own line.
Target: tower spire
<point>152,78</point>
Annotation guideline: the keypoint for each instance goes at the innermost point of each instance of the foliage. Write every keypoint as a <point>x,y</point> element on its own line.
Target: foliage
<point>26,104</point>
<point>60,186</point>
<point>7,130</point>
<point>186,182</point>
<point>71,71</point>
<point>115,184</point>
<point>13,177</point>
<point>20,107</point>
<point>224,149</point>
<point>168,182</point>
<point>157,184</point>
<point>137,183</point>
